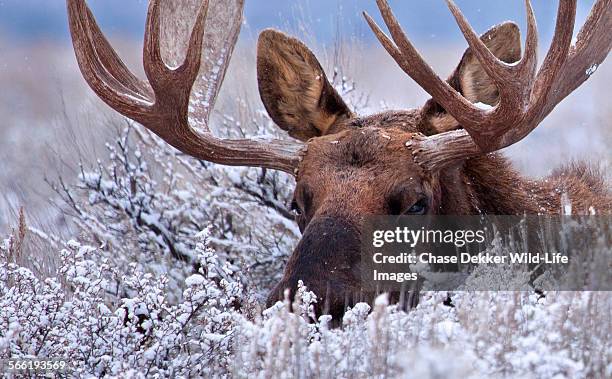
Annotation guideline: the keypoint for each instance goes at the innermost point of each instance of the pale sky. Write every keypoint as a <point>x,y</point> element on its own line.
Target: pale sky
<point>24,21</point>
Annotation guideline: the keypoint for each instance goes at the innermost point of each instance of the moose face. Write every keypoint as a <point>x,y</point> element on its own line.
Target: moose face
<point>354,166</point>
<point>344,178</point>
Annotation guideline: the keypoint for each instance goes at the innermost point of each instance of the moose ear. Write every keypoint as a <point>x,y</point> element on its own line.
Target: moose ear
<point>469,78</point>
<point>294,88</point>
<point>504,41</point>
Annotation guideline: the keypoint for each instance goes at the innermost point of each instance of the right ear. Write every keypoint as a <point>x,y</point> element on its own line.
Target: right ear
<point>294,88</point>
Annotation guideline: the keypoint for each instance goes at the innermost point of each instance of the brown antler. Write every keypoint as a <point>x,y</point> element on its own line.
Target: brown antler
<point>162,103</point>
<point>525,98</point>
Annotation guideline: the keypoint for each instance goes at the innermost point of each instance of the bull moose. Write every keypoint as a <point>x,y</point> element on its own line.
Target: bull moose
<point>437,159</point>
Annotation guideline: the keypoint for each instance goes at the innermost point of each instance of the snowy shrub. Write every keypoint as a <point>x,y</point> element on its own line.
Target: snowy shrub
<point>147,202</point>
<point>72,316</point>
<point>484,334</point>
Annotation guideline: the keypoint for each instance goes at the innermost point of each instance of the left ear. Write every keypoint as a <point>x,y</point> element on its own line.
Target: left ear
<point>471,80</point>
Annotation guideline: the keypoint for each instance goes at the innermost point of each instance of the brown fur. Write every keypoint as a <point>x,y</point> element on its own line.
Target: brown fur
<point>359,166</point>
<point>294,87</point>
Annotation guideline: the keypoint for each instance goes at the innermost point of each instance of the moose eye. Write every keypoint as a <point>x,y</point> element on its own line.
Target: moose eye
<point>418,208</point>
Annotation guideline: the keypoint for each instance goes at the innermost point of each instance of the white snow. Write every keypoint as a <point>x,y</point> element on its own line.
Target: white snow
<point>591,70</point>
<point>194,280</point>
<point>483,106</point>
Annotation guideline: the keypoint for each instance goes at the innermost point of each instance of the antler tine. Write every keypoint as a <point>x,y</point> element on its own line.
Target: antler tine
<point>163,107</point>
<point>593,44</point>
<point>111,61</point>
<point>540,87</point>
<point>159,74</point>
<point>172,87</point>
<point>411,62</point>
<point>102,78</point>
<point>558,51</point>
<point>529,62</point>
<point>193,58</point>
<point>496,69</point>
<point>383,39</point>
<point>156,70</point>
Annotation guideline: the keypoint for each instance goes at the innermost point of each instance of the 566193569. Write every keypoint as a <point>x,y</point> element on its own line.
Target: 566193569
<point>34,365</point>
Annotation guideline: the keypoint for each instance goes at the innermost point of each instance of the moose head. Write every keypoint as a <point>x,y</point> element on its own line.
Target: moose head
<point>438,159</point>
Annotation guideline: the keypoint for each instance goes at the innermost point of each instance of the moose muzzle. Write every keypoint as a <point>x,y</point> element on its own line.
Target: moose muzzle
<point>327,261</point>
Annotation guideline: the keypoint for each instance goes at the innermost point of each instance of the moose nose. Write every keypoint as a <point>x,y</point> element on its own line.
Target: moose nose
<point>327,261</point>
